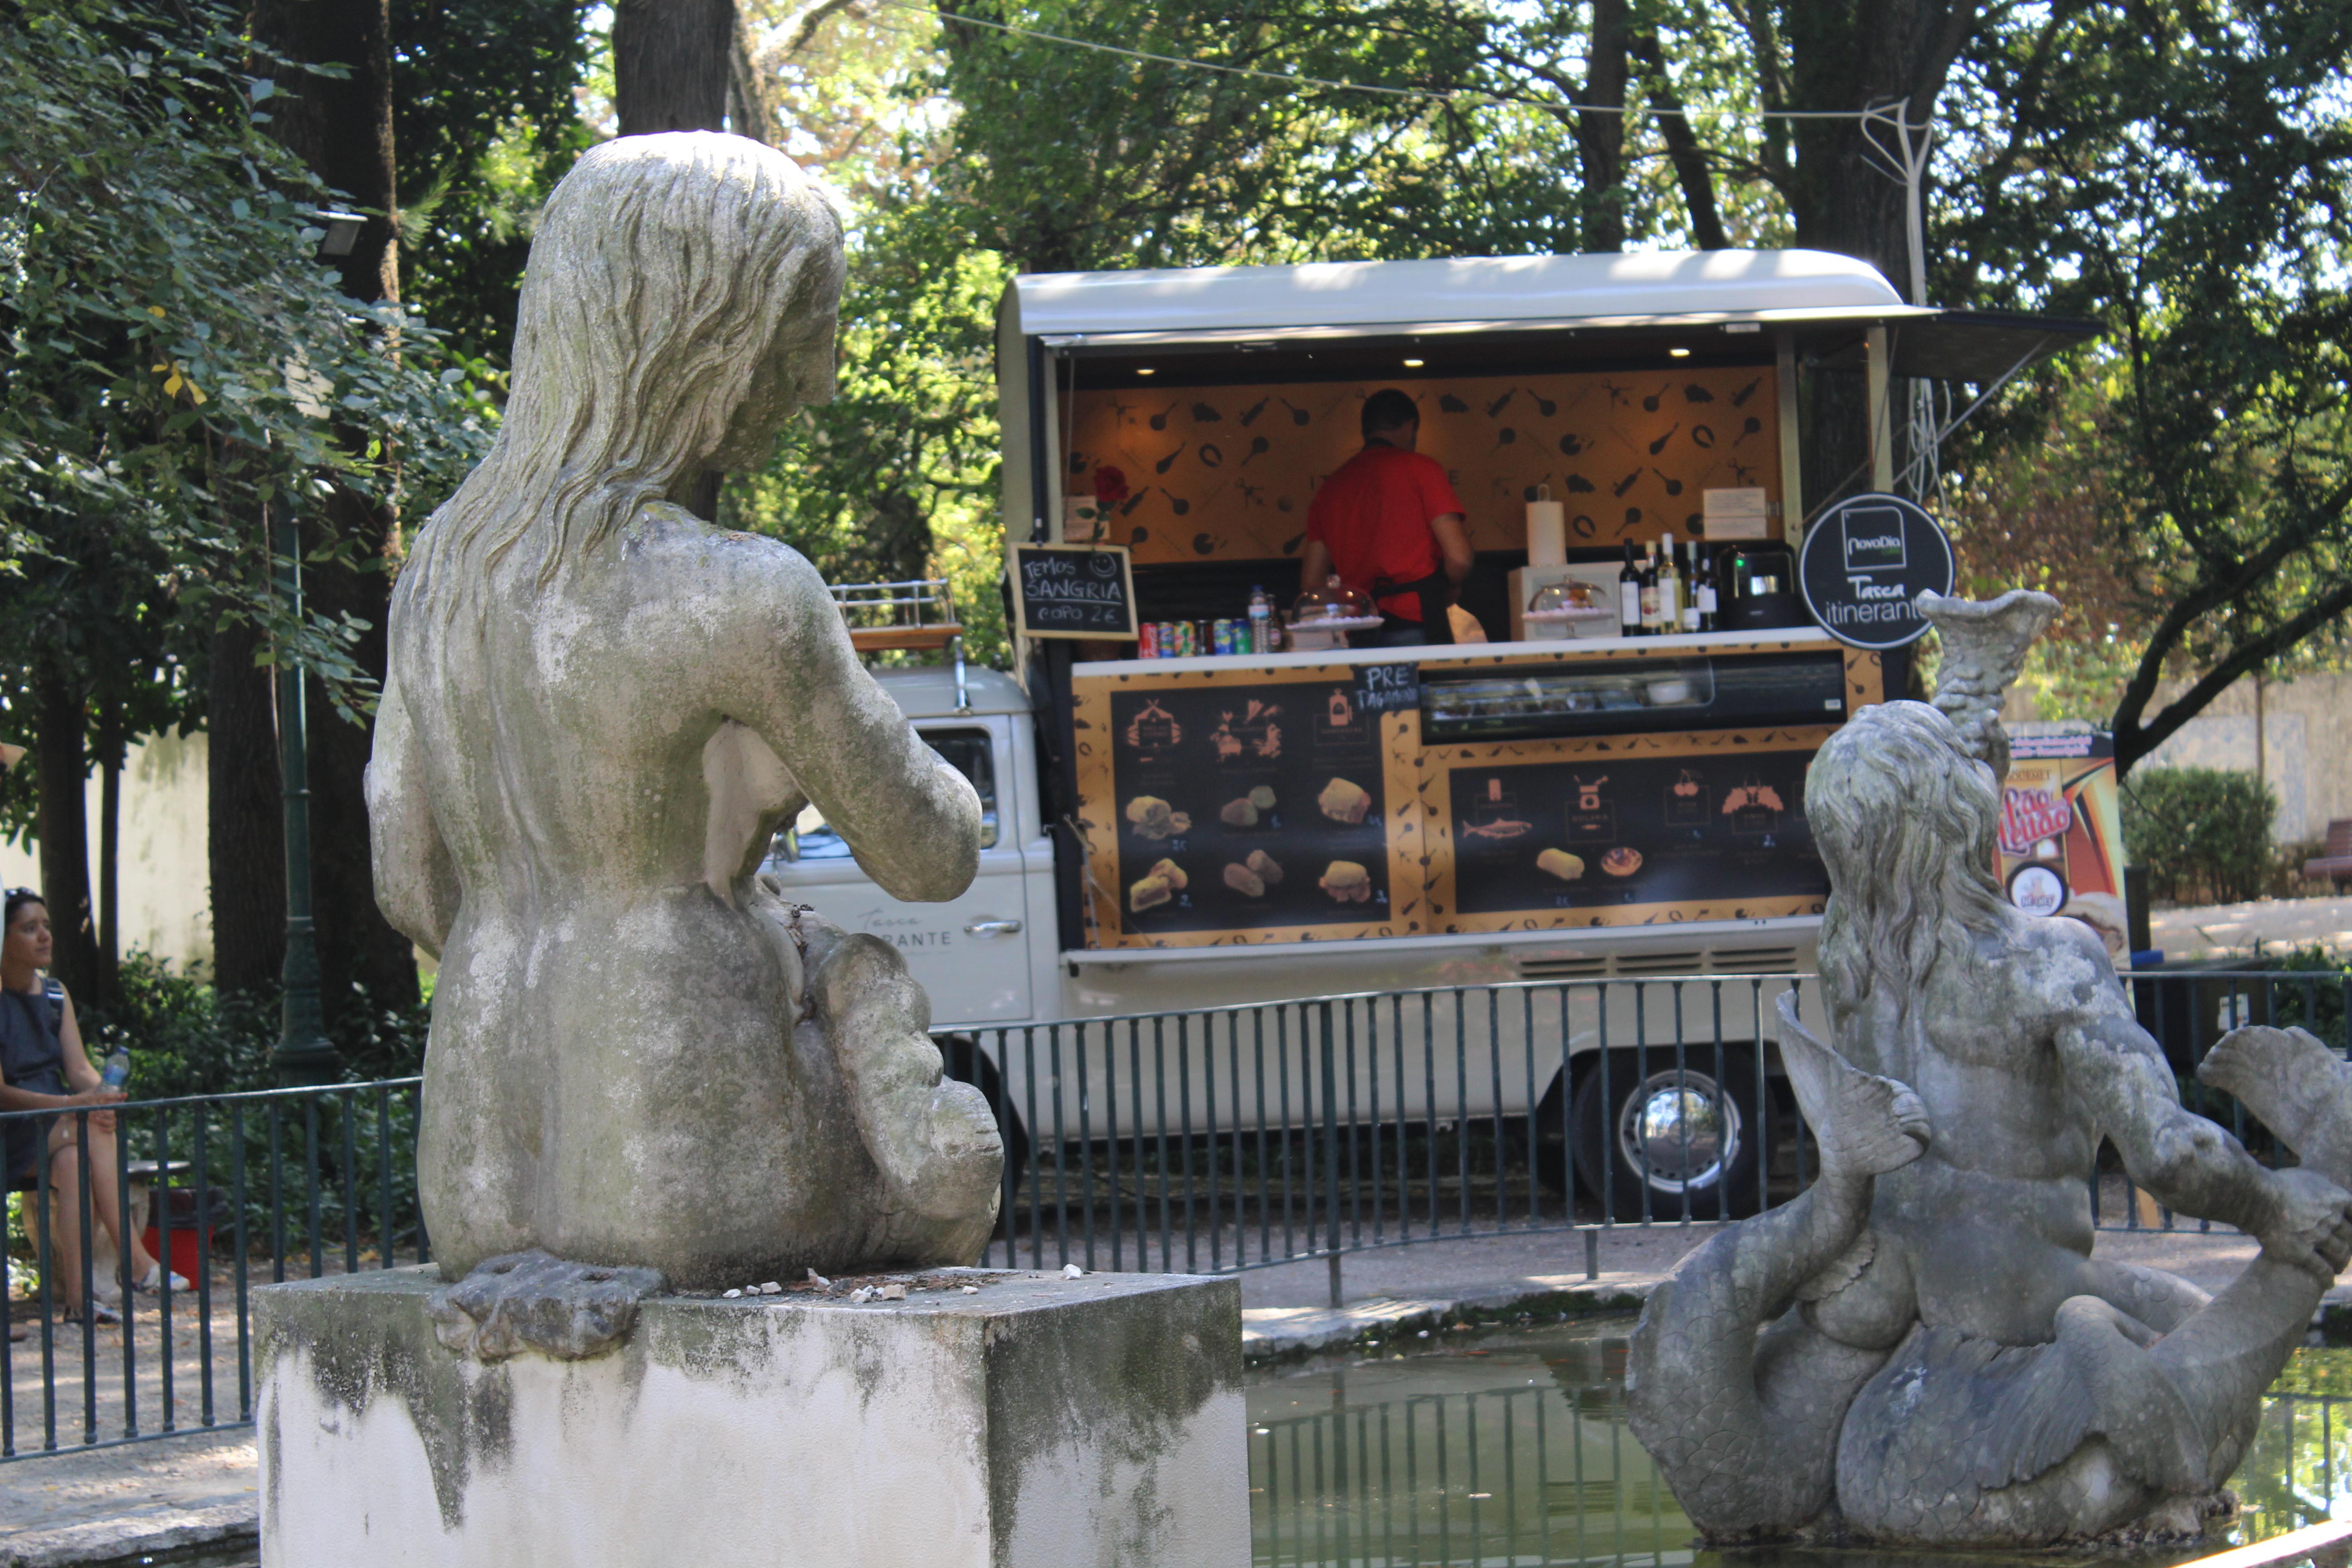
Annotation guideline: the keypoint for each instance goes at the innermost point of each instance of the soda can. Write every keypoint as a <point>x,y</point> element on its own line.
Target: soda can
<point>1185,641</point>
<point>1223,634</point>
<point>1146,641</point>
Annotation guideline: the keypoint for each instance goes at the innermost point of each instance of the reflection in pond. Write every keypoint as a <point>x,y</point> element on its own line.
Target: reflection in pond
<point>1509,1447</point>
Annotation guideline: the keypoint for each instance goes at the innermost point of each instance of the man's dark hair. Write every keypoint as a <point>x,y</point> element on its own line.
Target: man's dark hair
<point>1389,409</point>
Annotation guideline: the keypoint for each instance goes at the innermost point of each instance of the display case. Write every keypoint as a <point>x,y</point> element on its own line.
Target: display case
<point>1634,696</point>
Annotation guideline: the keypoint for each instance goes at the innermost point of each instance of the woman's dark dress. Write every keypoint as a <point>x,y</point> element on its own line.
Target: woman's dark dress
<point>31,1057</point>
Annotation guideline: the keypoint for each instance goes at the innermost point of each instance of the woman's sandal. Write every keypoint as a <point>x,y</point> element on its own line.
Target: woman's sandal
<point>96,1313</point>
<point>154,1282</point>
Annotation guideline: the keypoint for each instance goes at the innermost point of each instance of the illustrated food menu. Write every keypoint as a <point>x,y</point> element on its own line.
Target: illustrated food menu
<point>1243,810</point>
<point>1618,830</point>
<point>1310,803</point>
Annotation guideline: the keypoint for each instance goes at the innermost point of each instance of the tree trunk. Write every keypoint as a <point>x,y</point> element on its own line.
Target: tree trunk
<point>63,824</point>
<point>1848,56</point>
<point>1692,175</point>
<point>362,961</point>
<point>110,741</point>
<point>247,836</point>
<point>1600,136</point>
<point>671,64</point>
<point>342,130</point>
<point>674,64</point>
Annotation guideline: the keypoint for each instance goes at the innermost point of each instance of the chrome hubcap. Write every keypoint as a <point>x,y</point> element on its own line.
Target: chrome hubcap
<point>1680,1131</point>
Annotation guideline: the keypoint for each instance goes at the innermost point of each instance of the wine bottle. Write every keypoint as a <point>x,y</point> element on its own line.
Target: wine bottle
<point>1670,589</point>
<point>1629,596</point>
<point>1650,592</point>
<point>1708,621</point>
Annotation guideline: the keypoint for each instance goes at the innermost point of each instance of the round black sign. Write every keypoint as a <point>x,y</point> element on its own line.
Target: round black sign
<point>1863,563</point>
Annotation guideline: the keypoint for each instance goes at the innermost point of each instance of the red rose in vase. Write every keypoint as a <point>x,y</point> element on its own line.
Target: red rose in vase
<point>1110,487</point>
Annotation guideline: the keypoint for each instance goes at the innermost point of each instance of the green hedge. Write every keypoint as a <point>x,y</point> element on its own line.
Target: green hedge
<point>2203,834</point>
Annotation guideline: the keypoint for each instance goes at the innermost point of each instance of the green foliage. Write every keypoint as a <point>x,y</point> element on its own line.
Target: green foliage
<point>484,125</point>
<point>2309,992</point>
<point>185,1039</point>
<point>176,362</point>
<point>2204,834</point>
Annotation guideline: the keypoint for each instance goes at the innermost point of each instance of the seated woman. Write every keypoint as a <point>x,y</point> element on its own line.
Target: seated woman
<point>44,1067</point>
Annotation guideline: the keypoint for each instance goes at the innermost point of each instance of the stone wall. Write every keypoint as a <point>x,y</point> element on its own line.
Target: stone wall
<point>2306,751</point>
<point>165,878</point>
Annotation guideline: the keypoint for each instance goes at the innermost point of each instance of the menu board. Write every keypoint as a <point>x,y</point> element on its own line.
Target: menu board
<point>1243,810</point>
<point>1604,831</point>
<point>1071,591</point>
<point>1229,802</point>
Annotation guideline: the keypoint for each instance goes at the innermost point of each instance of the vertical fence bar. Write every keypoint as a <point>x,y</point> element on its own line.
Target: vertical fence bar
<point>1061,1143</point>
<point>1086,1140</point>
<point>244,1248</point>
<point>1330,1146</point>
<point>313,1218</point>
<point>1184,1134</point>
<point>206,1220</point>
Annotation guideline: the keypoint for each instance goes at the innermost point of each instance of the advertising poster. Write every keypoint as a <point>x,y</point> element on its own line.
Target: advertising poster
<point>2062,849</point>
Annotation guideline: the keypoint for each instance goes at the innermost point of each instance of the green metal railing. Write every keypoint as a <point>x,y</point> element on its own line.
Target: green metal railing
<point>1208,1140</point>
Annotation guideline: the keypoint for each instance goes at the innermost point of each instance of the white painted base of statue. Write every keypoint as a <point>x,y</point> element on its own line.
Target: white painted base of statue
<point>1920,1348</point>
<point>1032,1421</point>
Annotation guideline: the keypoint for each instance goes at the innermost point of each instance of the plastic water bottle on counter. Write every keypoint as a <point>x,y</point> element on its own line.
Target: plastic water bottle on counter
<point>1261,621</point>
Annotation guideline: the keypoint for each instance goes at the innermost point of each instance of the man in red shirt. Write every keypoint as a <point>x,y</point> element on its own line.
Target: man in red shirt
<point>1388,523</point>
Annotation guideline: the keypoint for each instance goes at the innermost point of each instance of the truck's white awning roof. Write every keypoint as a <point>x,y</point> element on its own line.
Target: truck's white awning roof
<point>1404,295</point>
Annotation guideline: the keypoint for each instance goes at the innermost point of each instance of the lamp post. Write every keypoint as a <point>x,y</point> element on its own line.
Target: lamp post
<point>304,1054</point>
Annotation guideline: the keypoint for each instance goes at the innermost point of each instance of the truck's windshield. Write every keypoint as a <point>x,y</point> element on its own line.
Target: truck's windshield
<point>966,751</point>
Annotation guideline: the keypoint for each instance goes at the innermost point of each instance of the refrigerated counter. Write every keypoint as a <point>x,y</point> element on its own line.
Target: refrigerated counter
<point>1525,786</point>
<point>1634,695</point>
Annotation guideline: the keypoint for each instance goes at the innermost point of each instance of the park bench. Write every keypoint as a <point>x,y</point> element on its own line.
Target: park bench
<point>2336,865</point>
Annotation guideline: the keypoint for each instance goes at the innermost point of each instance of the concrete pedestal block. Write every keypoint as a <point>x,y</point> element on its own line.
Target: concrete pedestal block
<point>1043,1421</point>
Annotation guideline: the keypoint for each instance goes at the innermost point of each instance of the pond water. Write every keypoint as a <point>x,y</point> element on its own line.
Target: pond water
<point>1509,1447</point>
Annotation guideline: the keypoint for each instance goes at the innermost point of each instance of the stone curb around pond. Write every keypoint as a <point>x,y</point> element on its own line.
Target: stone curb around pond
<point>141,1538</point>
<point>1274,1334</point>
<point>1271,1335</point>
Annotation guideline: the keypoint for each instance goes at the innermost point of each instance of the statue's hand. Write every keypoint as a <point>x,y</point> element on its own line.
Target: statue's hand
<point>2311,1226</point>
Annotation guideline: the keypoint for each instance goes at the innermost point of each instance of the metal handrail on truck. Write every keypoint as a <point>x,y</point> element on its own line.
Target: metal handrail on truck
<point>915,615</point>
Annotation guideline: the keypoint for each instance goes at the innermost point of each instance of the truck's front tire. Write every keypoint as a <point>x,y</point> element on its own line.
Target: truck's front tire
<point>1662,1140</point>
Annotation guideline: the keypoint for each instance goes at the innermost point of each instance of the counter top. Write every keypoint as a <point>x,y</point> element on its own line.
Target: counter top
<point>1645,647</point>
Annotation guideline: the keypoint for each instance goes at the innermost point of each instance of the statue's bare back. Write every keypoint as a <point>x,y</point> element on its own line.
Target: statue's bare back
<point>599,710</point>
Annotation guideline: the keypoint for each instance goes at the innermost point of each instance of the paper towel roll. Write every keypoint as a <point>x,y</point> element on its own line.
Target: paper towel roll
<point>1547,529</point>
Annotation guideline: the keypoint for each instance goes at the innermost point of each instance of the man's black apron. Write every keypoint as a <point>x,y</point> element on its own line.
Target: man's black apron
<point>1436,596</point>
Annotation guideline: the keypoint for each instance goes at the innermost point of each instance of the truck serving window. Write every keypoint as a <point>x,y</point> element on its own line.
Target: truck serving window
<point>966,751</point>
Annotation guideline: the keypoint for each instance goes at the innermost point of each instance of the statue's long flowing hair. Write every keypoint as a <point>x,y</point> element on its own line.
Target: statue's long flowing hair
<point>663,269</point>
<point>1906,823</point>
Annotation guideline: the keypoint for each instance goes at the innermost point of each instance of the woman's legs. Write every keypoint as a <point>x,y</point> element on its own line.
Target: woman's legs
<point>105,1199</point>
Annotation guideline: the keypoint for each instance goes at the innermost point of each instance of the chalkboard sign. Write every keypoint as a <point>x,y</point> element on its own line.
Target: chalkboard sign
<point>1388,688</point>
<point>1073,591</point>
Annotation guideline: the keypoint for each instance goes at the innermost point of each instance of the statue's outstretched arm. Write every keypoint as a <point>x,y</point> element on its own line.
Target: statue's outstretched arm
<point>912,821</point>
<point>415,880</point>
<point>2118,1074</point>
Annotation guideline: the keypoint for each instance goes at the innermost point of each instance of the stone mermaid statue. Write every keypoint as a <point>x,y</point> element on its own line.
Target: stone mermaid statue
<point>1920,1348</point>
<point>600,708</point>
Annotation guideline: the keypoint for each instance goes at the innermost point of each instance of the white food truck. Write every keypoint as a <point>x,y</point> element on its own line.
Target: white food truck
<point>1578,814</point>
